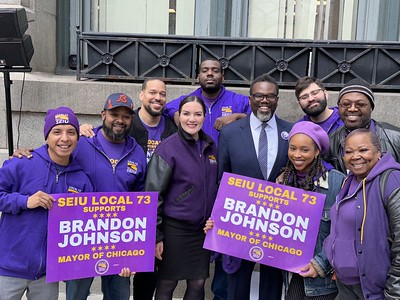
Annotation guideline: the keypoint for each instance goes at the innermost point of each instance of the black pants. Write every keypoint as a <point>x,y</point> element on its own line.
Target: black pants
<point>144,284</point>
<point>270,285</point>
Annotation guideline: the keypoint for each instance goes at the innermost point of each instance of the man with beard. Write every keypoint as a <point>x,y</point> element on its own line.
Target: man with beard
<point>223,106</point>
<point>356,102</point>
<point>114,162</point>
<point>149,128</point>
<point>257,147</point>
<point>313,100</point>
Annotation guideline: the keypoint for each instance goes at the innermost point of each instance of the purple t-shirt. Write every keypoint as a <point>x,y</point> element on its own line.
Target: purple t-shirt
<point>330,124</point>
<point>154,137</point>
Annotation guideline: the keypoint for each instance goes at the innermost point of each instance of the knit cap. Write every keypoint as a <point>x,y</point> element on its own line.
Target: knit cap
<point>60,116</point>
<point>117,100</point>
<point>358,85</point>
<point>314,131</point>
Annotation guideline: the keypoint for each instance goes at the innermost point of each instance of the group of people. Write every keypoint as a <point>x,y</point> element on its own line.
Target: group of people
<point>181,150</point>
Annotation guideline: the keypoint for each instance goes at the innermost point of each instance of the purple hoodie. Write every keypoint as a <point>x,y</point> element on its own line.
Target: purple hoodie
<point>370,253</point>
<point>23,231</point>
<point>225,104</point>
<point>127,175</point>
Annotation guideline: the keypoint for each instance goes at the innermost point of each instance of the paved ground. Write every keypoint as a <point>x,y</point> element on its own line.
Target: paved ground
<point>96,289</point>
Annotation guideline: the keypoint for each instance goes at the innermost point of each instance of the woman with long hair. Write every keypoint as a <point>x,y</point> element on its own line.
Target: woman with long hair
<point>183,170</point>
<point>307,170</point>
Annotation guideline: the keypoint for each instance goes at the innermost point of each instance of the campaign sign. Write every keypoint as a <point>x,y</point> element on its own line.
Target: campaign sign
<point>265,222</point>
<point>93,234</point>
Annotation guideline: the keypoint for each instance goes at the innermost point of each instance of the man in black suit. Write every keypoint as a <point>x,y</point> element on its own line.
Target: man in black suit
<point>238,153</point>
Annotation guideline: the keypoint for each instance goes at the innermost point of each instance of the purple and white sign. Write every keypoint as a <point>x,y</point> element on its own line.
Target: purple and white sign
<point>94,234</point>
<point>265,222</point>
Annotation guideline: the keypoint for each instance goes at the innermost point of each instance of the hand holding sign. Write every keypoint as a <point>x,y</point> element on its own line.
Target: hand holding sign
<point>265,222</point>
<point>93,234</point>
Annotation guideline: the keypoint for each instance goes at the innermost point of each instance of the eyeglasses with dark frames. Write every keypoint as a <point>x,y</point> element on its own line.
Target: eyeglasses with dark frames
<point>260,97</point>
<point>357,105</point>
<point>312,94</point>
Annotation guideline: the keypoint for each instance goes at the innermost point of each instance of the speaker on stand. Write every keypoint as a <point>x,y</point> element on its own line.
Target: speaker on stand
<point>16,51</point>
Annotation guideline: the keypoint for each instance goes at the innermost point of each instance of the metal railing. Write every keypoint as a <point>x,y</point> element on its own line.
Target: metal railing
<point>111,56</point>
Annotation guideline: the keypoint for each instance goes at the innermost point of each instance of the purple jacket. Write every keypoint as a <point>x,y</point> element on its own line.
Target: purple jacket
<point>329,125</point>
<point>127,175</point>
<point>23,231</point>
<point>225,104</point>
<point>375,252</point>
<point>186,179</point>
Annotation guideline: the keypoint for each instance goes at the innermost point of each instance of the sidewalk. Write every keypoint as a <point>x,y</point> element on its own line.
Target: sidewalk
<point>96,289</point>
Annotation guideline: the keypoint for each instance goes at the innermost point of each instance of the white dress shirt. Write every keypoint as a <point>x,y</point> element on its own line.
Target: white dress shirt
<point>272,135</point>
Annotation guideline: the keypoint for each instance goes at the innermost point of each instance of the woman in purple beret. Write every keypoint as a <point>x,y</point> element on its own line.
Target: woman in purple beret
<point>306,170</point>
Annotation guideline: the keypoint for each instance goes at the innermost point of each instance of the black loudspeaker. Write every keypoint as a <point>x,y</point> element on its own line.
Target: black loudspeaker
<point>16,52</point>
<point>13,23</point>
<point>16,48</point>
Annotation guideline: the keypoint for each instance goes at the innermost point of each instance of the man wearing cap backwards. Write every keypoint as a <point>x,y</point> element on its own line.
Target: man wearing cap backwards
<point>313,100</point>
<point>25,188</point>
<point>114,162</point>
<point>356,102</point>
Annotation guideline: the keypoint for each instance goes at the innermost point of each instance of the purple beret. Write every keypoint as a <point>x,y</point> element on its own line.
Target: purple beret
<point>314,131</point>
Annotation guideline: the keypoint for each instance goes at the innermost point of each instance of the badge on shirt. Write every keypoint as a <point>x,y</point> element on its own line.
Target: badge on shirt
<point>226,111</point>
<point>132,167</point>
<point>284,135</point>
<point>72,189</point>
<point>212,159</point>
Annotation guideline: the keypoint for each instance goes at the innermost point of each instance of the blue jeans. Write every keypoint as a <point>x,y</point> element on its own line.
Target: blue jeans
<point>219,285</point>
<point>78,289</point>
<point>114,287</point>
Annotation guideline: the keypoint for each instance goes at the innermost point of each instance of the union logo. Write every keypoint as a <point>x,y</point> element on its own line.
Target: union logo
<point>72,189</point>
<point>61,118</point>
<point>132,167</point>
<point>101,266</point>
<point>256,253</point>
<point>226,111</point>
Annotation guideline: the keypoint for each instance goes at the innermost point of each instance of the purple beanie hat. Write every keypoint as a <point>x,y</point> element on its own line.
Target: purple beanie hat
<point>314,131</point>
<point>60,116</point>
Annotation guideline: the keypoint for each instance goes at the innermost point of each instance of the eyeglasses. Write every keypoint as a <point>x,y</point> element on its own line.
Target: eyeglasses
<point>357,105</point>
<point>312,93</point>
<point>260,97</point>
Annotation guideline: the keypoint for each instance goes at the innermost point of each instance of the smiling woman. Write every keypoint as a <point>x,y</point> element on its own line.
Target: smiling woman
<point>364,240</point>
<point>306,169</point>
<point>192,112</point>
<point>183,170</point>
